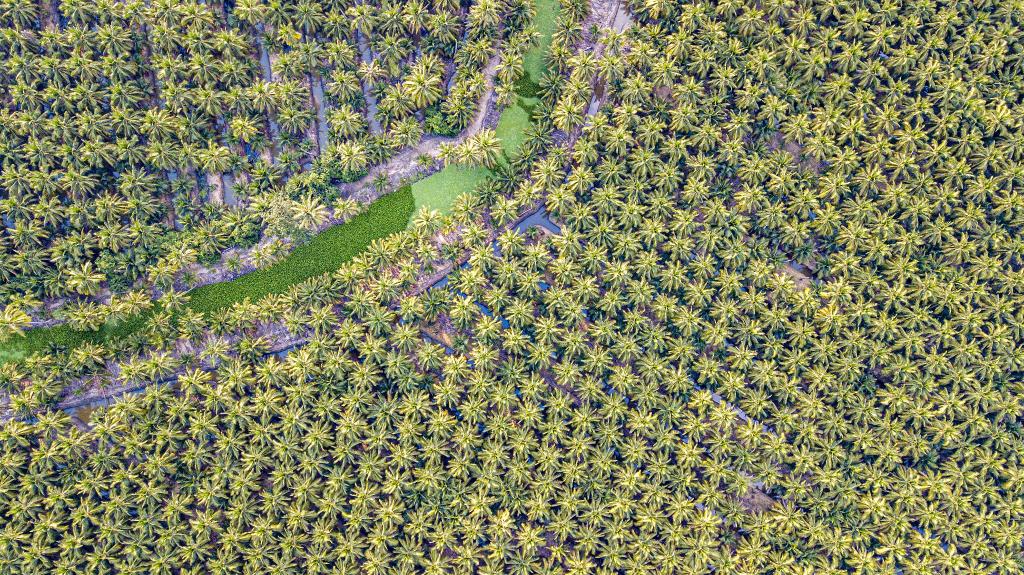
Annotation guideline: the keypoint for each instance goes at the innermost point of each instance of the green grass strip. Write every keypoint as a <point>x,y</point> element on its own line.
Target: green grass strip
<point>546,20</point>
<point>512,125</point>
<point>324,253</point>
<point>40,339</point>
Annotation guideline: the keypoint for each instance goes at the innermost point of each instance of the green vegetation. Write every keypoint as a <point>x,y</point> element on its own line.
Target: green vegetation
<point>778,332</point>
<point>546,20</point>
<point>439,190</point>
<point>144,139</point>
<point>324,253</point>
<point>513,123</point>
<point>41,339</point>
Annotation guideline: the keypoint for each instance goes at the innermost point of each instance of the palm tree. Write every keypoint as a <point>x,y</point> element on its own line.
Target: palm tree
<point>346,122</point>
<point>309,212</point>
<point>422,86</point>
<point>482,149</point>
<point>13,321</point>
<point>215,160</point>
<point>484,14</point>
<point>351,156</point>
<point>84,279</point>
<point>245,129</point>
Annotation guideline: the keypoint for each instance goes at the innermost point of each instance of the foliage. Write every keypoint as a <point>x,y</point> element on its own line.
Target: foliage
<point>130,123</point>
<point>773,328</point>
<point>438,191</point>
<point>324,253</point>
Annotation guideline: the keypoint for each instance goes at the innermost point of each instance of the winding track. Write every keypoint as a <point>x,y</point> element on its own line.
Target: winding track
<point>406,164</point>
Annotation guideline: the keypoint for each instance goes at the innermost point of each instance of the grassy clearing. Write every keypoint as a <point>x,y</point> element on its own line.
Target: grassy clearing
<point>547,15</point>
<point>438,191</point>
<point>512,125</point>
<point>324,253</point>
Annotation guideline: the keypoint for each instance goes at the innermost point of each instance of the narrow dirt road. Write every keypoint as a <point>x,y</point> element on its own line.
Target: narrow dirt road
<point>406,164</point>
<point>611,15</point>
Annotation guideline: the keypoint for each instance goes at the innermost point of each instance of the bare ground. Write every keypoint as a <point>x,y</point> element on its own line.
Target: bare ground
<point>800,276</point>
<point>216,182</point>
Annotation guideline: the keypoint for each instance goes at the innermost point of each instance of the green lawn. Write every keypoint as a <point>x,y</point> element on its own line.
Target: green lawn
<point>324,253</point>
<point>547,14</point>
<point>513,123</point>
<point>439,190</point>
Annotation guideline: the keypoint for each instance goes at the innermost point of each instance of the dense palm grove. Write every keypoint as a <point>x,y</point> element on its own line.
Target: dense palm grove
<point>139,138</point>
<point>779,331</point>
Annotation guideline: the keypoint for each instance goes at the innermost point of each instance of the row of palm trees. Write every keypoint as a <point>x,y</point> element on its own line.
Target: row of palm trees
<point>132,126</point>
<point>867,372</point>
<point>649,390</point>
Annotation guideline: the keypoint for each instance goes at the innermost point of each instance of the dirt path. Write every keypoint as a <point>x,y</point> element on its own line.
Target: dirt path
<point>611,15</point>
<point>371,100</point>
<point>485,102</point>
<point>605,14</point>
<point>405,164</point>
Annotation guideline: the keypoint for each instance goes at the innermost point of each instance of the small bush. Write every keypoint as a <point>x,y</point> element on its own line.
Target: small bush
<point>437,123</point>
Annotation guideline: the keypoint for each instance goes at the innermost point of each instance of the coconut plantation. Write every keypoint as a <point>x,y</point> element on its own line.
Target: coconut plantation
<point>529,287</point>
